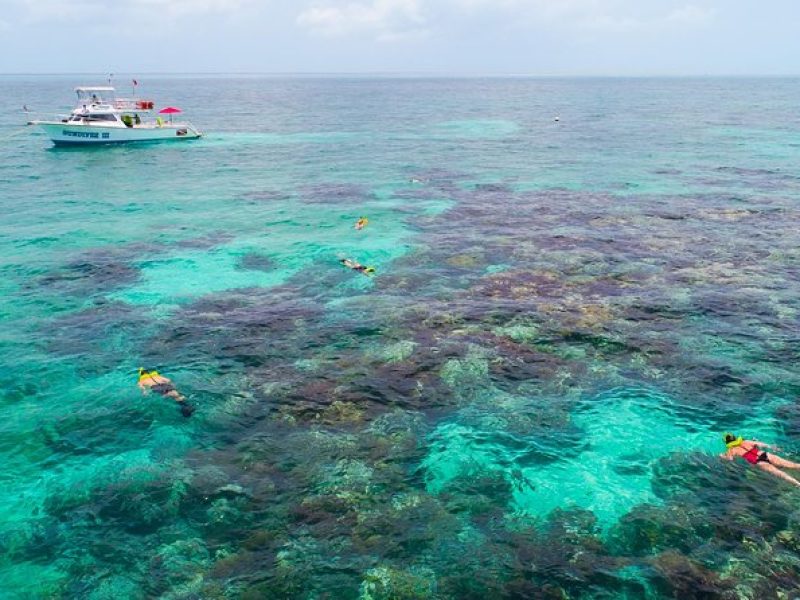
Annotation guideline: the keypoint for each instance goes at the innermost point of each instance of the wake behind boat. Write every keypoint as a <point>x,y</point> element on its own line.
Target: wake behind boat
<point>102,118</point>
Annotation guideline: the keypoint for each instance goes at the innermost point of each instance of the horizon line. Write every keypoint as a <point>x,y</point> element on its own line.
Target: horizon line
<point>427,74</point>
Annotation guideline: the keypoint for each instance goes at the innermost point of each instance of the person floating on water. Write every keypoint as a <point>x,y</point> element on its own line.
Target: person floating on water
<point>351,264</point>
<point>751,451</point>
<point>152,380</point>
<point>361,223</point>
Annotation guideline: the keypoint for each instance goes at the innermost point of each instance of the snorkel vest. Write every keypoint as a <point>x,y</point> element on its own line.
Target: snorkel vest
<point>145,374</point>
<point>737,442</point>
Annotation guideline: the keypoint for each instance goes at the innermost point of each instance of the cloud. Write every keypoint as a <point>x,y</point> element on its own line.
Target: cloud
<point>611,24</point>
<point>104,10</point>
<point>47,10</point>
<point>691,15</point>
<point>537,11</point>
<point>683,17</point>
<point>387,20</point>
<point>394,19</point>
<point>616,16</point>
<point>179,8</point>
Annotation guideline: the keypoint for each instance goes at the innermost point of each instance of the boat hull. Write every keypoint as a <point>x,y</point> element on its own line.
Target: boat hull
<point>65,134</point>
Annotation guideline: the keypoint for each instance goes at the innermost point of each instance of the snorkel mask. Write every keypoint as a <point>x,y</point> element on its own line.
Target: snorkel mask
<point>731,441</point>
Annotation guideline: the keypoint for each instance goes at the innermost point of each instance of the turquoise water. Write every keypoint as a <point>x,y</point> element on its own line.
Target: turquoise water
<point>525,400</point>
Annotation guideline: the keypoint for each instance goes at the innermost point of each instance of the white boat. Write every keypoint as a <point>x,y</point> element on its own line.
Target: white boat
<point>102,118</point>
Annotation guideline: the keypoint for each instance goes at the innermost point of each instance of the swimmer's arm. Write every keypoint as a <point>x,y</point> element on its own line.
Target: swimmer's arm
<point>726,455</point>
<point>763,444</point>
<point>144,388</point>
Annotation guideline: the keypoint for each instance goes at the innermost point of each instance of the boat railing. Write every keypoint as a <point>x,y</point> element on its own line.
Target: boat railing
<point>133,104</point>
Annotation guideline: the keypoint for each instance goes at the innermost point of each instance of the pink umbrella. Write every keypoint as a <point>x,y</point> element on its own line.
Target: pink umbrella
<point>170,110</point>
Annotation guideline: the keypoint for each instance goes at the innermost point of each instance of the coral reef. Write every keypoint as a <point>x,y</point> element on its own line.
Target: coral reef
<point>524,402</point>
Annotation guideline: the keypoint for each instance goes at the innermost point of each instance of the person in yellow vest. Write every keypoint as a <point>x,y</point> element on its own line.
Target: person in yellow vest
<point>753,452</point>
<point>151,380</point>
<point>351,264</point>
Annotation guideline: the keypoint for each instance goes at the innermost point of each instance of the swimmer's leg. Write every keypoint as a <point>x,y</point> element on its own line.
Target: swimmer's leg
<point>186,408</point>
<point>782,462</point>
<point>175,394</point>
<point>778,473</point>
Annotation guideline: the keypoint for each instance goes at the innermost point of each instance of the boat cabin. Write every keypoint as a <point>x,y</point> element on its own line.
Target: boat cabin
<point>99,105</point>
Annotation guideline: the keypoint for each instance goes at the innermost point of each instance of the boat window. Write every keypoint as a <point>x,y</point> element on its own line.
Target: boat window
<point>102,118</point>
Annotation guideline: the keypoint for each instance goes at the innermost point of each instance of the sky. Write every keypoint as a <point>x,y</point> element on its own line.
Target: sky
<point>456,37</point>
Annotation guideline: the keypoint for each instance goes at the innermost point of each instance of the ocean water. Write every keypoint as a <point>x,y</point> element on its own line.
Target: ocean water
<point>524,401</point>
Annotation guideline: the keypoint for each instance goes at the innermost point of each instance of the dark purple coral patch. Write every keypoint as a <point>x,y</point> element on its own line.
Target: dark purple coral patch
<point>337,194</point>
<point>253,261</point>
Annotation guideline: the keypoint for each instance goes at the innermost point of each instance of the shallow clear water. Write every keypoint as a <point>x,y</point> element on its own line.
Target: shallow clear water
<point>526,400</point>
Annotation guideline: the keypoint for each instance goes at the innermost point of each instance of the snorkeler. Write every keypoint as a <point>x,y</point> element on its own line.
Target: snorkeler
<point>152,380</point>
<point>361,223</point>
<point>751,451</point>
<point>351,264</point>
